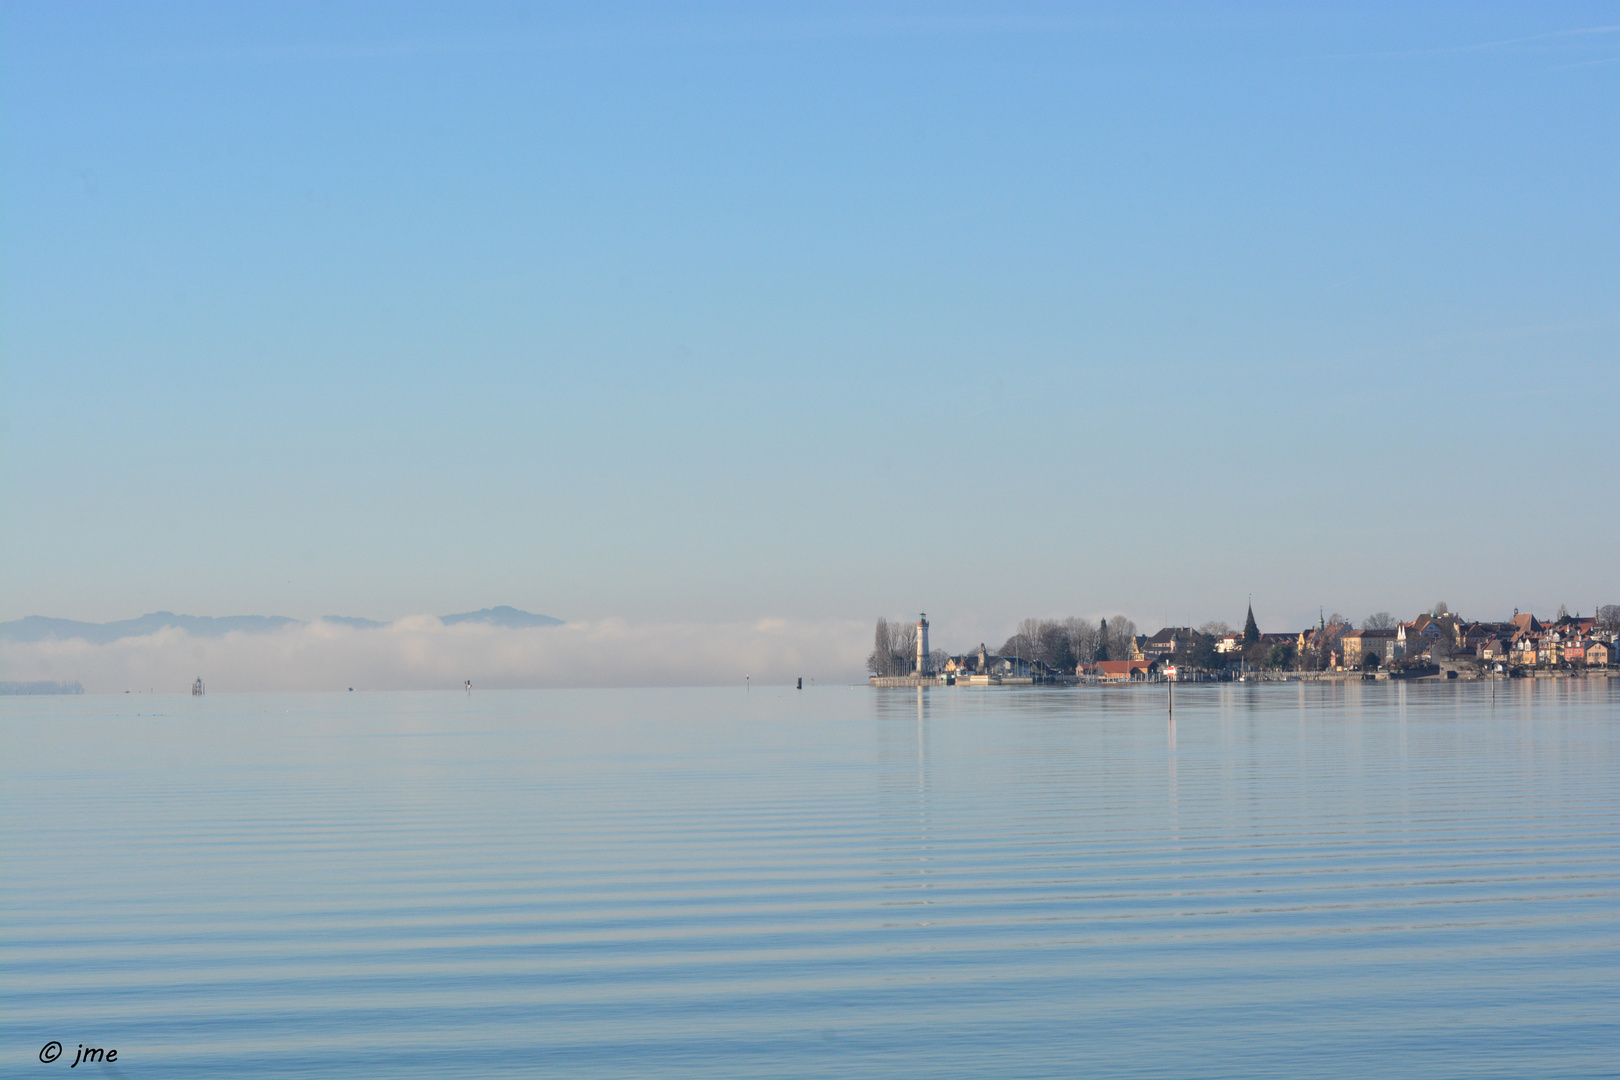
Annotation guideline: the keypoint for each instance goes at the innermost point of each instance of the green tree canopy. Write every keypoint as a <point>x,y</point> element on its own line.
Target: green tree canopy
<point>1202,652</point>
<point>1280,655</point>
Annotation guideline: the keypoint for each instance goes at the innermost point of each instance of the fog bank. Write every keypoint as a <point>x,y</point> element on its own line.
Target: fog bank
<point>422,653</point>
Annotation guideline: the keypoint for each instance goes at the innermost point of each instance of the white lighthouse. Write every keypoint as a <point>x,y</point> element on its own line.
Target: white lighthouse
<point>922,644</point>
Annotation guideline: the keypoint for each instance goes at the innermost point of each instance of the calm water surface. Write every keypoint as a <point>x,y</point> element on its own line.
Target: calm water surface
<point>1292,881</point>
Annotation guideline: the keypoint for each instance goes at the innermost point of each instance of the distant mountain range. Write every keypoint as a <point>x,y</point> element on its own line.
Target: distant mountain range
<point>354,621</point>
<point>42,628</point>
<point>501,616</point>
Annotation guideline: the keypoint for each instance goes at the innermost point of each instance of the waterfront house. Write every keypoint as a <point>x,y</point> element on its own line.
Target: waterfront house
<point>1357,645</point>
<point>1121,670</point>
<point>1167,642</point>
<point>1016,667</point>
<point>1325,642</point>
<point>974,663</point>
<point>1435,635</point>
<point>986,663</point>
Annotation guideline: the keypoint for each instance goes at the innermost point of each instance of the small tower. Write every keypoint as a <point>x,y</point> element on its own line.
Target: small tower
<point>922,644</point>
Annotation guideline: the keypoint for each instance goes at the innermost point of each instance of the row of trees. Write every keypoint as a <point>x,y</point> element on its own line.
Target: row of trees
<point>894,650</point>
<point>1062,644</point>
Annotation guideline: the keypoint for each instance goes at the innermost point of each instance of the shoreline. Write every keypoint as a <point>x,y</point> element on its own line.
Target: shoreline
<point>886,682</point>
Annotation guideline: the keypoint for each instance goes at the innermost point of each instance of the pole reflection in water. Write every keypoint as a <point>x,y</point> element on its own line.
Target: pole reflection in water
<point>1170,763</point>
<point>922,714</point>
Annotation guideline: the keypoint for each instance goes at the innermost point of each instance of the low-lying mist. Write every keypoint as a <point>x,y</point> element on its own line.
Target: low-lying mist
<point>421,653</point>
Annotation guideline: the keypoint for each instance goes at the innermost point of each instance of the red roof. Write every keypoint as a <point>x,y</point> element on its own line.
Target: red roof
<point>1121,667</point>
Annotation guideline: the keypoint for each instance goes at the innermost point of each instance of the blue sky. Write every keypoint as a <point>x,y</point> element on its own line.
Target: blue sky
<point>718,312</point>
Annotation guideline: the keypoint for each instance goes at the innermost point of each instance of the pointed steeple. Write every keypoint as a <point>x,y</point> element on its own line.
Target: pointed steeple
<point>1251,632</point>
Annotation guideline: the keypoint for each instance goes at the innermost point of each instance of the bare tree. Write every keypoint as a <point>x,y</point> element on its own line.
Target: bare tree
<point>1082,639</point>
<point>1121,635</point>
<point>1056,651</point>
<point>1017,645</point>
<point>1063,644</point>
<point>1049,641</point>
<point>1215,628</point>
<point>1608,616</point>
<point>1381,620</point>
<point>879,662</point>
<point>1025,642</point>
<point>894,648</point>
<point>1439,608</point>
<point>905,647</point>
<point>1336,619</point>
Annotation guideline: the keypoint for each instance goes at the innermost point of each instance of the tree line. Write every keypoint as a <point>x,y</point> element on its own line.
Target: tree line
<point>894,650</point>
<point>1063,644</point>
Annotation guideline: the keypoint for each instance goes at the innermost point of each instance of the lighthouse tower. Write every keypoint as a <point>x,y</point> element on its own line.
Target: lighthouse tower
<point>922,644</point>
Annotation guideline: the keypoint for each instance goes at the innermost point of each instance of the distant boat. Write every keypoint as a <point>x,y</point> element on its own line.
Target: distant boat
<point>197,688</point>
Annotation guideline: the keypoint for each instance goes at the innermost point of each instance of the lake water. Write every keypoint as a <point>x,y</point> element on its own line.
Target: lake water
<point>1293,881</point>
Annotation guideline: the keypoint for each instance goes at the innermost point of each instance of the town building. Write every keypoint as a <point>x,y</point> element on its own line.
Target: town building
<point>1434,635</point>
<point>1356,645</point>
<point>1167,642</point>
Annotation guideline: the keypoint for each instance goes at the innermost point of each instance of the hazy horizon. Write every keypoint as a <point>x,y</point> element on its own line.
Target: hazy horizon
<point>419,652</point>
